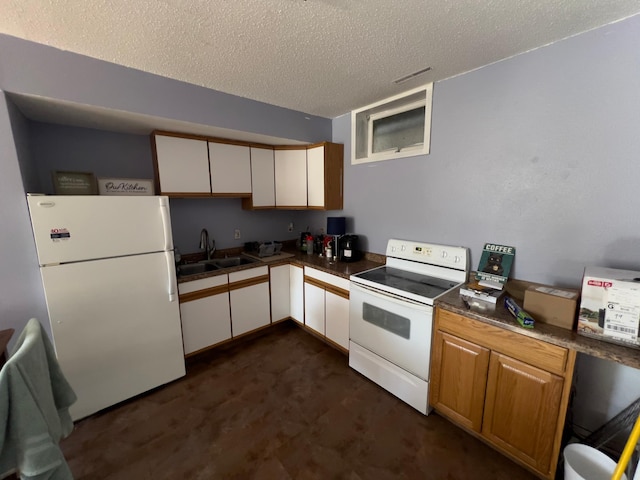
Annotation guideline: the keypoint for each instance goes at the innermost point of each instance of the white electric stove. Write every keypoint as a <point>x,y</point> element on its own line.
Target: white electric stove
<point>391,315</point>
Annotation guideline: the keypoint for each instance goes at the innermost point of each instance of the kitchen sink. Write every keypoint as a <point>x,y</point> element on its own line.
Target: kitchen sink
<point>196,268</point>
<point>213,264</point>
<point>232,261</point>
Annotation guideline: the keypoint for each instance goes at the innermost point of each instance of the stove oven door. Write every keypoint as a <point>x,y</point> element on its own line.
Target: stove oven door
<point>394,328</point>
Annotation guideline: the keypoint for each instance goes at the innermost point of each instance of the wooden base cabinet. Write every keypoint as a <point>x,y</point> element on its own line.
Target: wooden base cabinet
<point>509,390</point>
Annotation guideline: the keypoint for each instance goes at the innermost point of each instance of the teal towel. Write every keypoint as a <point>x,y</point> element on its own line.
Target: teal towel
<point>34,409</point>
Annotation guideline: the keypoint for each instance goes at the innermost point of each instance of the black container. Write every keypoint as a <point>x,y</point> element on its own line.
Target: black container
<point>349,248</point>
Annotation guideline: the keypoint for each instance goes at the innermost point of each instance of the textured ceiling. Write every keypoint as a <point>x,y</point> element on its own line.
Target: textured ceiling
<point>323,57</point>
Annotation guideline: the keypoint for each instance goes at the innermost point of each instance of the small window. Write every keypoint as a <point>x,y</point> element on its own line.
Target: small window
<point>393,128</point>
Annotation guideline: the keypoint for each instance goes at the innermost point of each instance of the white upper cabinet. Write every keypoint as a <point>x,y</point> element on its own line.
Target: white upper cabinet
<point>291,178</point>
<point>230,169</point>
<point>263,178</point>
<point>182,165</point>
<point>315,177</point>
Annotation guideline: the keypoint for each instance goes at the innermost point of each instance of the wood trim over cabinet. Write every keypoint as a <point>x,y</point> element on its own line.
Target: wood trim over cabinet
<point>207,292</point>
<point>327,286</point>
<point>248,282</point>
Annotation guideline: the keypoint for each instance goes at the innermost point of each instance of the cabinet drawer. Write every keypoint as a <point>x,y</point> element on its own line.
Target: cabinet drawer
<point>332,280</point>
<point>529,350</point>
<point>203,284</point>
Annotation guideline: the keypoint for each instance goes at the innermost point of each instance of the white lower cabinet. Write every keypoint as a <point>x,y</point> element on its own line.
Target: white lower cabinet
<point>314,307</point>
<point>249,298</point>
<point>204,311</point>
<point>280,292</point>
<point>326,305</point>
<point>296,293</point>
<point>336,327</point>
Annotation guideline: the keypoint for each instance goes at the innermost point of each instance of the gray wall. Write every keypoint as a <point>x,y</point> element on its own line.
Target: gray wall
<point>108,154</point>
<point>21,294</point>
<point>539,151</point>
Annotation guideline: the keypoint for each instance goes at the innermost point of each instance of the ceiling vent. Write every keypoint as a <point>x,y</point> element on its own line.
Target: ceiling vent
<point>411,75</point>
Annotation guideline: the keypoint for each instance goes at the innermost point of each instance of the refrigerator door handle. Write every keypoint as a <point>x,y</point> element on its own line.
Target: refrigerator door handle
<point>166,223</point>
<point>173,283</point>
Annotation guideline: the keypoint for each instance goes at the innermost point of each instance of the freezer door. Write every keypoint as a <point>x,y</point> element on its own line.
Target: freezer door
<point>116,332</point>
<point>73,228</point>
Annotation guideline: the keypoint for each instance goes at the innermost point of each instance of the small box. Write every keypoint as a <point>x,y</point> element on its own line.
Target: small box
<point>610,305</point>
<point>555,306</point>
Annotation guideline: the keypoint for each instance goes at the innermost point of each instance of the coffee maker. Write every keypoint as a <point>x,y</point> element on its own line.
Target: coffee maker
<point>349,250</point>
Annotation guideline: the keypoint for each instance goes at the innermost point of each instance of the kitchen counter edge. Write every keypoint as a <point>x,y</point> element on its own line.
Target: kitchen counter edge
<point>562,337</point>
<point>340,269</point>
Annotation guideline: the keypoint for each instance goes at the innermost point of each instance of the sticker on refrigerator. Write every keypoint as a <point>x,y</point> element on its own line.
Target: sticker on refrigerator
<point>59,234</point>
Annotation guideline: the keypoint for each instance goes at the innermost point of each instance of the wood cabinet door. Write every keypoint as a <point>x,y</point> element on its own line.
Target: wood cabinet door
<point>249,308</point>
<point>291,178</point>
<point>183,165</point>
<point>521,410</point>
<point>459,379</point>
<point>230,169</point>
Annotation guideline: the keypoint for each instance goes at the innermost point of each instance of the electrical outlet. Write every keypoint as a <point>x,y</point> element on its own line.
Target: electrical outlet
<point>290,227</point>
<point>236,233</point>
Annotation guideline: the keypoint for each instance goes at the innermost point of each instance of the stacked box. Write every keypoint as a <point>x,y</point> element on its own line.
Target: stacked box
<point>610,305</point>
<point>555,306</point>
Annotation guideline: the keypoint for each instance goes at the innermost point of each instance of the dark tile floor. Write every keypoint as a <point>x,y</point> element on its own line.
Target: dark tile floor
<point>280,406</point>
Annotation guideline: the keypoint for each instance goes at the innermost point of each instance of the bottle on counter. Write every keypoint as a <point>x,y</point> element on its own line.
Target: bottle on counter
<point>309,245</point>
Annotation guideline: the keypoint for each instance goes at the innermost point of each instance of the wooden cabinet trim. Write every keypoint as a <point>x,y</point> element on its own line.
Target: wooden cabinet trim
<point>207,292</point>
<point>212,139</point>
<point>230,195</point>
<point>327,286</point>
<point>544,355</point>
<point>249,282</point>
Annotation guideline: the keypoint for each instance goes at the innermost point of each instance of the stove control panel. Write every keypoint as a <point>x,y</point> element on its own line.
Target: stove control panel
<point>434,254</point>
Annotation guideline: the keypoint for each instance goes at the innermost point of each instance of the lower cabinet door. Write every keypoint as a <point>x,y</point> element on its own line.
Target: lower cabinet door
<point>205,322</point>
<point>337,319</point>
<point>314,307</point>
<point>250,308</point>
<point>459,379</point>
<point>521,410</point>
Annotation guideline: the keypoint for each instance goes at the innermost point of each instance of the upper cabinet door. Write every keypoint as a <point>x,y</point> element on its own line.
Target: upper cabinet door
<point>315,177</point>
<point>263,178</point>
<point>230,169</point>
<point>183,165</point>
<point>291,178</point>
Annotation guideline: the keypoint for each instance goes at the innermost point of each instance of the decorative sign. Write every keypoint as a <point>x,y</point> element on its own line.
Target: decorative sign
<point>125,186</point>
<point>74,183</point>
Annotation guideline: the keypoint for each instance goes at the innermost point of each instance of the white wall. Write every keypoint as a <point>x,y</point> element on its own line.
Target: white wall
<point>539,151</point>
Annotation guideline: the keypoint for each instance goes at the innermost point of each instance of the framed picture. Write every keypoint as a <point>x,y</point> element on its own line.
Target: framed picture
<point>74,183</point>
<point>125,186</point>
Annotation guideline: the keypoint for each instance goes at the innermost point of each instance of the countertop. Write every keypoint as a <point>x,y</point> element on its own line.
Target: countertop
<point>340,269</point>
<point>501,317</point>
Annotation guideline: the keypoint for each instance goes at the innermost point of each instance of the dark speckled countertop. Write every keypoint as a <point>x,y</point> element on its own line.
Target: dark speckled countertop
<point>501,317</point>
<point>341,269</point>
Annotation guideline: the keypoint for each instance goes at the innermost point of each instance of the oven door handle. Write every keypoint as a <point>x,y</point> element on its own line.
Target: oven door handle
<point>390,297</point>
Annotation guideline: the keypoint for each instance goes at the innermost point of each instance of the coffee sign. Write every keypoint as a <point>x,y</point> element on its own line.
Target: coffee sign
<point>125,186</point>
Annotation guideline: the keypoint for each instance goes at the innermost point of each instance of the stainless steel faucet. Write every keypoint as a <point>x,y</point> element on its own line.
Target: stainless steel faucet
<point>205,244</point>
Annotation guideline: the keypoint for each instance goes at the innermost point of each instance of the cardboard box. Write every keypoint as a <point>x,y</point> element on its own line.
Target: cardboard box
<point>610,305</point>
<point>555,306</point>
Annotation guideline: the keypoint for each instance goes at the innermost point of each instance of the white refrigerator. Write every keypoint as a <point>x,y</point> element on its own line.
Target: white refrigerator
<point>109,278</point>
